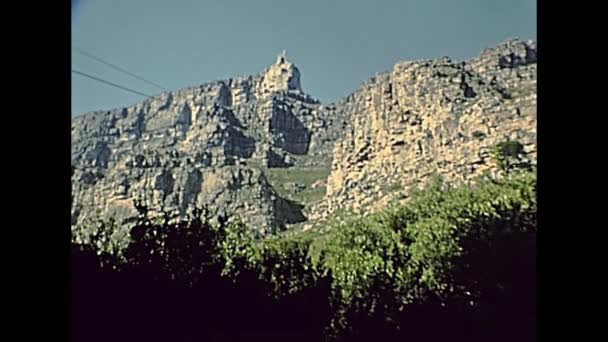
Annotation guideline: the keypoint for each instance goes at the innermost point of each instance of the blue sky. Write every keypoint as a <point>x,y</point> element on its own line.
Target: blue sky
<point>337,44</point>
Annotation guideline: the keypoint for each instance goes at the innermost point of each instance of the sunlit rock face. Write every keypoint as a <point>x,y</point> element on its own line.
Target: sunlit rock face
<point>281,76</point>
<point>214,144</point>
<point>200,146</point>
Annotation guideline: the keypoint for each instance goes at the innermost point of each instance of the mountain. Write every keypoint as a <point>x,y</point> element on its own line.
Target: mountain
<point>433,117</point>
<point>261,148</point>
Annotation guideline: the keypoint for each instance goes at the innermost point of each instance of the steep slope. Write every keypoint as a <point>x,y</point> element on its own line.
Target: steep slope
<point>432,116</point>
<point>201,146</point>
<point>261,148</point>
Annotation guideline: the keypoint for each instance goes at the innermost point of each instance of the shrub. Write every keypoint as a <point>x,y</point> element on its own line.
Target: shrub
<point>479,135</point>
<point>437,265</point>
<point>508,155</point>
<point>380,267</point>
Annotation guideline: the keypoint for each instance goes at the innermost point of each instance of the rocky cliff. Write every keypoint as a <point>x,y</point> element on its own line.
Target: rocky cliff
<point>203,146</point>
<point>261,148</point>
<point>432,117</point>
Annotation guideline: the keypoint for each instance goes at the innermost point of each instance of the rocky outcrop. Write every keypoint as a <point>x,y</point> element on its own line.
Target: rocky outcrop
<point>212,145</point>
<point>177,191</point>
<point>199,146</point>
<point>281,76</point>
<point>432,116</point>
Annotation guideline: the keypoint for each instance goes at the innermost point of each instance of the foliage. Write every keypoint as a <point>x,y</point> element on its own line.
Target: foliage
<point>508,155</point>
<point>107,237</point>
<point>392,187</point>
<point>182,251</point>
<point>440,251</point>
<point>413,252</point>
<point>479,135</point>
<point>380,265</point>
<point>281,177</point>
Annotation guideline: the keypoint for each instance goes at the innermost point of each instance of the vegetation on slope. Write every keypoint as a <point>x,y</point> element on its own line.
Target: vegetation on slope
<point>424,251</point>
<point>455,262</point>
<point>299,183</point>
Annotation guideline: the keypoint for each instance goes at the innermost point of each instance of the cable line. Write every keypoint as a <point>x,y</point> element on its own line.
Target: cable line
<point>109,83</point>
<point>84,53</point>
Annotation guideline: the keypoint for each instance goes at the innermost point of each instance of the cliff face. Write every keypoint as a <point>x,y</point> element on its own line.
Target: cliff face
<point>250,146</point>
<point>200,146</point>
<point>432,116</point>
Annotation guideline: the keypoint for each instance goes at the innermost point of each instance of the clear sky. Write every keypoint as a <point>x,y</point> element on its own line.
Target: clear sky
<point>336,44</point>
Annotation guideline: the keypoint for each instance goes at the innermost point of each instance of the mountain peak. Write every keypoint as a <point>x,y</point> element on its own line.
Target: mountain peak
<point>281,76</point>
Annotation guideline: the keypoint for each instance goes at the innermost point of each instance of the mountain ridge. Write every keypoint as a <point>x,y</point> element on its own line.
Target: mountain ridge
<point>242,145</point>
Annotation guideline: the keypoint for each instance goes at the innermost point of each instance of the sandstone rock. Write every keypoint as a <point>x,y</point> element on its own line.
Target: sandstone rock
<point>439,104</point>
<point>208,145</point>
<point>180,149</point>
